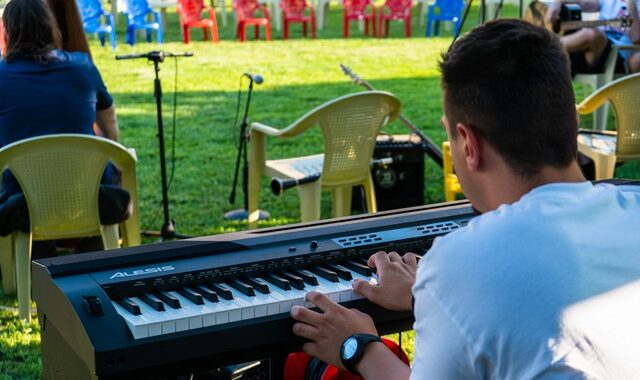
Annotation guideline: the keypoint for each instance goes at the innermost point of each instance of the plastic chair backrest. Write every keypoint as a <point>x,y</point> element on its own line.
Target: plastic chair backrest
<point>356,6</point>
<point>449,9</point>
<point>190,10</point>
<point>350,125</point>
<point>398,6</point>
<point>294,6</point>
<point>90,10</point>
<point>624,96</point>
<point>137,10</point>
<point>248,7</point>
<point>60,178</point>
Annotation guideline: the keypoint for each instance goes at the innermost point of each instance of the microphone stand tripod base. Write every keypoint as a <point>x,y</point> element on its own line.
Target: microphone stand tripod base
<point>242,214</point>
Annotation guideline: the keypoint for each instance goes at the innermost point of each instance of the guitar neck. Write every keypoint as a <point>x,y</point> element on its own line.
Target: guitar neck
<point>572,25</point>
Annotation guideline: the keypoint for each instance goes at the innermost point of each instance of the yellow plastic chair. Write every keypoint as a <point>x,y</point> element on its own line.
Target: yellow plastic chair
<point>349,126</point>
<point>451,183</point>
<point>607,148</point>
<point>60,177</point>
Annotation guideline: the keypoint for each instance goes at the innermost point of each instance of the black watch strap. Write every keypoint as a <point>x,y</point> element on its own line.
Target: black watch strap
<point>363,340</point>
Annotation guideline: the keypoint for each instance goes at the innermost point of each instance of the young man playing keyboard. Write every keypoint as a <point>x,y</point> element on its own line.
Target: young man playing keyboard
<point>546,282</point>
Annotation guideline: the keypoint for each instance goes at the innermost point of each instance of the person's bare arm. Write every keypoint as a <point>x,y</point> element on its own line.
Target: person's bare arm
<point>378,362</point>
<point>634,29</point>
<point>108,123</point>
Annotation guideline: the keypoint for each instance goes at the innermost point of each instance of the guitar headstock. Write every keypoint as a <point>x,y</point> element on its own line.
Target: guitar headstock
<point>348,72</point>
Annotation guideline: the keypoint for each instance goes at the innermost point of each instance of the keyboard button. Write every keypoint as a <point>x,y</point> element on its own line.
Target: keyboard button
<point>240,286</point>
<point>325,273</point>
<point>168,299</point>
<point>357,267</point>
<point>206,293</point>
<point>221,289</point>
<point>278,281</point>
<point>306,276</point>
<point>152,301</point>
<point>294,280</point>
<point>341,271</point>
<point>257,284</point>
<point>191,295</point>
<point>129,305</point>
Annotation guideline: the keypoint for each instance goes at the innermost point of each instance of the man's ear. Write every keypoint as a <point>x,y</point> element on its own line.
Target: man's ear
<point>471,145</point>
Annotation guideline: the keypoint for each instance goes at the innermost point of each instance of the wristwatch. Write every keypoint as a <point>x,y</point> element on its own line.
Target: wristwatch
<point>353,348</point>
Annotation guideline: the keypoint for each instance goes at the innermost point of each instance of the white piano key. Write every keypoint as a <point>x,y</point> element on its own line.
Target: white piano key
<point>138,324</point>
<point>190,310</point>
<point>155,325</point>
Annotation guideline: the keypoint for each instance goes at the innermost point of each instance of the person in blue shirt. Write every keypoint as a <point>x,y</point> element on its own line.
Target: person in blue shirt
<point>545,283</point>
<point>45,90</point>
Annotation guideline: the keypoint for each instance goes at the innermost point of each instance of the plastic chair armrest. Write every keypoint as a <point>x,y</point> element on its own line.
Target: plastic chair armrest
<point>212,12</point>
<point>591,103</point>
<point>265,129</point>
<point>133,153</point>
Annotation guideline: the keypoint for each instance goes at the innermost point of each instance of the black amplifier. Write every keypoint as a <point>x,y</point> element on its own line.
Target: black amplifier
<point>400,183</point>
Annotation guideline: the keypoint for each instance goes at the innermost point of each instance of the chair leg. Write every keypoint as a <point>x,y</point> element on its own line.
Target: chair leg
<point>256,31</point>
<point>112,38</point>
<point>304,28</point>
<point>341,201</point>
<point>313,27</point>
<point>23,274</point>
<point>345,31</point>
<point>110,237</point>
<point>285,28</point>
<point>7,264</point>
<point>214,31</point>
<point>186,34</point>
<point>310,194</point>
<point>407,26</point>
<point>386,24</point>
<point>370,194</point>
<point>267,31</point>
<point>605,166</point>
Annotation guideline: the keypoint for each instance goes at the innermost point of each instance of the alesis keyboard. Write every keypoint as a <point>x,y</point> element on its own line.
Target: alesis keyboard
<point>146,311</point>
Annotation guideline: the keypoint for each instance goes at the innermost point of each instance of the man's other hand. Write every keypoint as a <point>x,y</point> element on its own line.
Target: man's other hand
<point>328,329</point>
<point>396,275</point>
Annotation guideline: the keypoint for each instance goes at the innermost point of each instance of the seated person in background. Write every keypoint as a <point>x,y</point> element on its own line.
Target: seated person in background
<point>544,284</point>
<point>589,47</point>
<point>45,90</point>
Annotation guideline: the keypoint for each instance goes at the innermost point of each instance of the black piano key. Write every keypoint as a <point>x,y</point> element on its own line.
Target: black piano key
<point>206,293</point>
<point>257,284</point>
<point>306,276</point>
<point>294,280</point>
<point>128,304</point>
<point>278,281</point>
<point>357,267</point>
<point>222,290</point>
<point>152,301</point>
<point>342,272</point>
<point>243,288</point>
<point>325,273</point>
<point>191,295</point>
<point>168,299</point>
<point>361,260</point>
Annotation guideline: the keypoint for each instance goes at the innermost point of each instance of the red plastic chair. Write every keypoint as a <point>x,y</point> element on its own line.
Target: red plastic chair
<point>246,11</point>
<point>293,11</point>
<point>397,10</point>
<point>191,17</point>
<point>357,10</point>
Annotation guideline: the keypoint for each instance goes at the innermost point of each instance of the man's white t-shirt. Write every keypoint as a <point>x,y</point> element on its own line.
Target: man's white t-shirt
<point>545,288</point>
<point>611,9</point>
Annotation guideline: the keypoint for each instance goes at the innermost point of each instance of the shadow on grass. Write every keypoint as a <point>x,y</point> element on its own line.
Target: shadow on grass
<point>205,146</point>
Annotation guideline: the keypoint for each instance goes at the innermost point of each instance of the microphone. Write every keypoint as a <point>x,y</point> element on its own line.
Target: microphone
<point>254,77</point>
<point>279,185</point>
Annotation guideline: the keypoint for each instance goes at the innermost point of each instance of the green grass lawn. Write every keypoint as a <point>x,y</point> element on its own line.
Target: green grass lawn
<point>299,75</point>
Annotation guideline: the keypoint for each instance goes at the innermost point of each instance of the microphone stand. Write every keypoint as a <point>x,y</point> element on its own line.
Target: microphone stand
<point>243,213</point>
<point>168,229</point>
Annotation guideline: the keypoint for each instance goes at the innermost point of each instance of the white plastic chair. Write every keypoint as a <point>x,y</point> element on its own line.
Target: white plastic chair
<point>606,148</point>
<point>60,178</point>
<point>349,126</point>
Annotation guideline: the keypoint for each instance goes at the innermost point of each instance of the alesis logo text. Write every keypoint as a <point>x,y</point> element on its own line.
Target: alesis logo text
<point>142,271</point>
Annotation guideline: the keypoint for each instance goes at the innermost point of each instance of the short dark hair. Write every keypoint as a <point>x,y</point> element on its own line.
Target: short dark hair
<point>31,30</point>
<point>509,80</point>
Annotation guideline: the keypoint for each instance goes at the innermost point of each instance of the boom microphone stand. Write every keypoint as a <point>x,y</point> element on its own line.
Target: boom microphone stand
<point>168,230</point>
<point>243,213</point>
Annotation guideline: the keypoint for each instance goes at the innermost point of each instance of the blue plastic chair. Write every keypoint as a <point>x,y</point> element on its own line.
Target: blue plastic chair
<point>444,10</point>
<point>92,12</point>
<point>136,12</point>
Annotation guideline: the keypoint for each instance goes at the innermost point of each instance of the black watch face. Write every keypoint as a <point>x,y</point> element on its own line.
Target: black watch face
<point>349,348</point>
